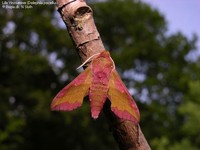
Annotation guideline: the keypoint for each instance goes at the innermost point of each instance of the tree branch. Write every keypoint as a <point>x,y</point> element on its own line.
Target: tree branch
<point>78,17</point>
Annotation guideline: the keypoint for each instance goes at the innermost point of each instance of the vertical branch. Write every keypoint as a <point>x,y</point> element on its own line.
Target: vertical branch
<point>78,17</point>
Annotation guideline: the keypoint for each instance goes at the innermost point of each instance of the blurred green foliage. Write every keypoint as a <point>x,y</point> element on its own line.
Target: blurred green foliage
<point>37,58</point>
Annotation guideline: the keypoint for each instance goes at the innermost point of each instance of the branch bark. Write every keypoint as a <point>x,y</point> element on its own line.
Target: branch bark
<point>78,17</point>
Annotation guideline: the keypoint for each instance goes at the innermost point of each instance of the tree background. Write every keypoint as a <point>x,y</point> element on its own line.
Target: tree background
<point>37,59</point>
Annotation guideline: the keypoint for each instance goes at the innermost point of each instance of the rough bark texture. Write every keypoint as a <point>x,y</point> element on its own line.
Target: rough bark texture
<point>78,17</point>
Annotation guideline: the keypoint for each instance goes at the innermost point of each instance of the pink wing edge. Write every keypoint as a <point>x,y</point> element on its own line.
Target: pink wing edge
<point>67,106</point>
<point>123,114</point>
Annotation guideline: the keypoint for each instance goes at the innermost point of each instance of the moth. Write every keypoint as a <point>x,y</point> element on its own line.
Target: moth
<point>99,81</point>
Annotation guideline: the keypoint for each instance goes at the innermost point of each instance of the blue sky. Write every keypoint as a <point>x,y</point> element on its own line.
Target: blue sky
<point>181,15</point>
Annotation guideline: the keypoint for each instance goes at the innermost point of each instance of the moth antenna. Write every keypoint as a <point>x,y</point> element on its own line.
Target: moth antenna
<point>87,61</point>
